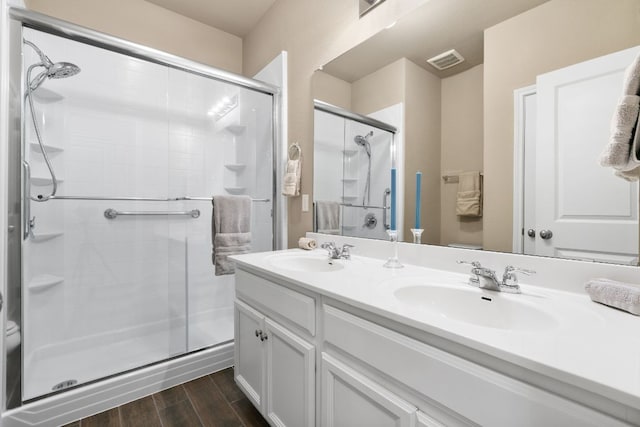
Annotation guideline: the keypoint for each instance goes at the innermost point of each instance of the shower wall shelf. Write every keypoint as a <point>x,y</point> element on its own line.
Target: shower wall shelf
<point>235,190</point>
<point>236,129</point>
<point>50,148</point>
<point>235,167</point>
<point>43,237</point>
<point>41,181</point>
<point>46,96</point>
<point>349,180</point>
<point>349,152</point>
<point>44,281</point>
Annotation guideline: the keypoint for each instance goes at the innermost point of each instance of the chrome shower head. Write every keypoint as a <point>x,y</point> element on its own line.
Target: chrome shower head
<point>58,70</point>
<point>363,141</point>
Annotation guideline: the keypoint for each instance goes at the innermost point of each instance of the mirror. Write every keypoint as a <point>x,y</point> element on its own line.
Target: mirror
<point>529,108</point>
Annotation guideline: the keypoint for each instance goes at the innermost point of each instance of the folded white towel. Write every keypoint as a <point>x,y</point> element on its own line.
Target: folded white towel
<point>469,197</point>
<point>307,243</point>
<point>631,84</point>
<point>624,296</point>
<point>293,171</point>
<point>617,153</point>
<point>230,230</point>
<point>327,217</point>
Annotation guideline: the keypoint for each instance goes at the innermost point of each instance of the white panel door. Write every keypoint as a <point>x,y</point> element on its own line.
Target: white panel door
<point>591,213</point>
<point>249,370</point>
<point>350,399</point>
<point>290,378</point>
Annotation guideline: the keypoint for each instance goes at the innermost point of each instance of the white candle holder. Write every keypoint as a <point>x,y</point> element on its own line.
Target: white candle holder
<point>417,235</point>
<point>393,261</point>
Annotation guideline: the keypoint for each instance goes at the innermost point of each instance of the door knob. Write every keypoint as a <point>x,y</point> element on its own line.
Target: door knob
<point>531,232</point>
<point>546,234</point>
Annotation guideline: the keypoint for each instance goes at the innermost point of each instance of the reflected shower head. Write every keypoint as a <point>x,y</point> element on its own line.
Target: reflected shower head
<point>363,141</point>
<point>58,70</point>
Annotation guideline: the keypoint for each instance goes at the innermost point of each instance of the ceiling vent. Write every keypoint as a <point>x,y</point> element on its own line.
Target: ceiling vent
<point>446,60</point>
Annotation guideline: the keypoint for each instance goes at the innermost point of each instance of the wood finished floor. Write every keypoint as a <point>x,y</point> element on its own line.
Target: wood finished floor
<point>213,400</point>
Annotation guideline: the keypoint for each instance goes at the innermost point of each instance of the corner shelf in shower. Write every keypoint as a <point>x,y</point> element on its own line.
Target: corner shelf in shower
<point>50,148</point>
<point>236,129</point>
<point>235,190</point>
<point>349,152</point>
<point>43,237</point>
<point>235,167</point>
<point>41,181</point>
<point>46,96</point>
<point>349,180</point>
<point>44,281</point>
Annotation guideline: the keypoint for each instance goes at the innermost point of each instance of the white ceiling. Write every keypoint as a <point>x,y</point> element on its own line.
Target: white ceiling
<point>233,16</point>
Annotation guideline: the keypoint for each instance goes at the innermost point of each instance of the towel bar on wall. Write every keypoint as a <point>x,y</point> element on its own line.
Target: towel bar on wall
<point>142,199</point>
<point>452,178</point>
<point>113,214</point>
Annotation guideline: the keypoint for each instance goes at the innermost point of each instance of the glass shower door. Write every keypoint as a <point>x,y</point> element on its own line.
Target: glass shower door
<point>103,280</point>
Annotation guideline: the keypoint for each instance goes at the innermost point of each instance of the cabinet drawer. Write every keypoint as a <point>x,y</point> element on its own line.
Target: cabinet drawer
<point>477,393</point>
<point>293,306</point>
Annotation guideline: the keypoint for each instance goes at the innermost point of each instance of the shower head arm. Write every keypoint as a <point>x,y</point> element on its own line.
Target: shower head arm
<point>44,59</point>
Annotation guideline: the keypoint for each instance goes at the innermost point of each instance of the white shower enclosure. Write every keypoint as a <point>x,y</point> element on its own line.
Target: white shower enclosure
<point>353,156</point>
<point>149,144</point>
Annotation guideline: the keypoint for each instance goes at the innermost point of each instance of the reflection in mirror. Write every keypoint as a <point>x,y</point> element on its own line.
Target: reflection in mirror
<point>529,107</point>
<point>353,157</point>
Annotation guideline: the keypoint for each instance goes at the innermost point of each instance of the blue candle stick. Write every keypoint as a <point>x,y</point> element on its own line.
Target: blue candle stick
<point>393,199</point>
<point>418,192</point>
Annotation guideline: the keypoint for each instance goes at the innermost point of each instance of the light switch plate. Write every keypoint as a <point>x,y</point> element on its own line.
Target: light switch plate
<point>305,203</point>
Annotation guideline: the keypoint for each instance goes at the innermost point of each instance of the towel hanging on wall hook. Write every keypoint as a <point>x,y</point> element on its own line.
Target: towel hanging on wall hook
<point>292,173</point>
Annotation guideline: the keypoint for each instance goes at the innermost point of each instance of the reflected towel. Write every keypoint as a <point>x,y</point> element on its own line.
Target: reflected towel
<point>624,296</point>
<point>327,217</point>
<point>469,201</point>
<point>621,152</point>
<point>230,230</point>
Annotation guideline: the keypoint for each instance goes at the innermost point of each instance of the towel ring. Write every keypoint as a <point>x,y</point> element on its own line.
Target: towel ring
<point>295,151</point>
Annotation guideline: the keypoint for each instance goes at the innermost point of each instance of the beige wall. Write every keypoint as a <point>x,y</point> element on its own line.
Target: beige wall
<point>462,124</point>
<point>332,90</point>
<point>422,150</point>
<point>313,33</point>
<point>150,25</point>
<point>381,89</point>
<point>554,35</point>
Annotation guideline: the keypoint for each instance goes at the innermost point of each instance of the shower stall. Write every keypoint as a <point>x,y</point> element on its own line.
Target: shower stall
<point>116,153</point>
<point>353,156</point>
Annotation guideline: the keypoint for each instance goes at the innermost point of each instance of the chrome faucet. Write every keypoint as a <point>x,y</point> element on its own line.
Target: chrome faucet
<point>485,278</point>
<point>335,253</point>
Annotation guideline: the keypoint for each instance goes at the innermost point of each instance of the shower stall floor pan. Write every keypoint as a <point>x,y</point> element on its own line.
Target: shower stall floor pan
<point>94,359</point>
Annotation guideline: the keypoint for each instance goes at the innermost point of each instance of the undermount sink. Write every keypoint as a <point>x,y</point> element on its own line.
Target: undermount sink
<point>312,263</point>
<point>475,306</point>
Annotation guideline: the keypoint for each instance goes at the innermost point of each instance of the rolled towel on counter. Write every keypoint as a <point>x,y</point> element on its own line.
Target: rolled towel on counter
<point>625,296</point>
<point>307,243</point>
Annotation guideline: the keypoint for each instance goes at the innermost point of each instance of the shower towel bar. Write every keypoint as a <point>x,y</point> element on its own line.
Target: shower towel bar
<point>113,214</point>
<point>143,199</point>
<point>351,205</point>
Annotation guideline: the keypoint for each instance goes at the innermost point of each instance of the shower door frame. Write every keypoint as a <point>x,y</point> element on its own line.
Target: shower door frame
<point>20,18</point>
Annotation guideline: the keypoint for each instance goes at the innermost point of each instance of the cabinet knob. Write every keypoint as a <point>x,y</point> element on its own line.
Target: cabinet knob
<point>546,234</point>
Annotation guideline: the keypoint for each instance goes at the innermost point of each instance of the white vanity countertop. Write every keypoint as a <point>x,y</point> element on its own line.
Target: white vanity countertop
<point>587,345</point>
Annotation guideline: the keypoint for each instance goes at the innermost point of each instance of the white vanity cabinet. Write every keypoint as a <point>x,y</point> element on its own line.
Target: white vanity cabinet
<point>305,359</point>
<point>274,366</point>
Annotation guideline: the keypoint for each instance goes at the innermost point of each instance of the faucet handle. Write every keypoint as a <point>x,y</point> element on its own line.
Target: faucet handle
<point>511,269</point>
<point>345,252</point>
<point>474,264</point>
<point>327,245</point>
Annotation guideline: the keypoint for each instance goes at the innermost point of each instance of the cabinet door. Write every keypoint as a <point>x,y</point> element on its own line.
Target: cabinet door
<point>290,378</point>
<point>249,371</point>
<point>350,399</point>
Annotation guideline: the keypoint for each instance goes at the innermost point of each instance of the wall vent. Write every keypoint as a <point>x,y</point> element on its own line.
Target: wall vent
<point>446,60</point>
